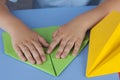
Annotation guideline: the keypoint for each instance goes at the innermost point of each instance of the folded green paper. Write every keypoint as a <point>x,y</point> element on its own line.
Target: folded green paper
<point>53,65</point>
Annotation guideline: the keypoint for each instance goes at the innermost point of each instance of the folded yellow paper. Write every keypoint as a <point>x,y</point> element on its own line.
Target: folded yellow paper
<point>104,47</point>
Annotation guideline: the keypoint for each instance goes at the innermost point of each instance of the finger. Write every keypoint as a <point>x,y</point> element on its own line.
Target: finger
<point>40,50</point>
<point>34,53</point>
<point>68,48</point>
<point>61,48</point>
<point>27,53</point>
<point>55,33</point>
<point>54,44</point>
<point>20,54</point>
<point>76,48</point>
<point>43,41</point>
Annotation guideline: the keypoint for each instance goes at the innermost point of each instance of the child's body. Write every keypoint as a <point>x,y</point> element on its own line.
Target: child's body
<point>54,3</point>
<point>28,44</point>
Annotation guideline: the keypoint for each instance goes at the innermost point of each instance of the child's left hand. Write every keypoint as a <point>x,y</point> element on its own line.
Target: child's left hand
<point>68,36</point>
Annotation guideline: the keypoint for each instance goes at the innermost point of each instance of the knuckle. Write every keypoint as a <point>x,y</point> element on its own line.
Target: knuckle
<point>51,47</point>
<point>25,41</point>
<point>37,57</point>
<point>79,38</point>
<point>77,47</point>
<point>41,51</point>
<point>25,49</point>
<point>32,49</point>
<point>70,43</point>
<point>77,44</point>
<point>67,48</point>
<point>61,48</point>
<point>55,40</point>
<point>33,40</point>
<point>35,53</point>
<point>78,41</point>
<point>27,44</point>
<point>39,46</point>
<point>15,44</point>
<point>63,44</point>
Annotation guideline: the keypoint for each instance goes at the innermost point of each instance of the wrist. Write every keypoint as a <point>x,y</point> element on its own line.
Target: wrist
<point>18,30</point>
<point>91,18</point>
<point>12,25</point>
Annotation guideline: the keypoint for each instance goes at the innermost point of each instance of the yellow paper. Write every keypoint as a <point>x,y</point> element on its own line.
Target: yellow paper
<point>104,47</point>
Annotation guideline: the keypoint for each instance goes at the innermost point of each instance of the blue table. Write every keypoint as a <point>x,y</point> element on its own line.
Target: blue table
<point>11,69</point>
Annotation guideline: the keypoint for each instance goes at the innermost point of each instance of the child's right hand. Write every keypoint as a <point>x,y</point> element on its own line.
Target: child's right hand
<point>28,45</point>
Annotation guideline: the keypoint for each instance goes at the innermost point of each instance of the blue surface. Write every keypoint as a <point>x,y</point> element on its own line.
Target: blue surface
<point>11,69</point>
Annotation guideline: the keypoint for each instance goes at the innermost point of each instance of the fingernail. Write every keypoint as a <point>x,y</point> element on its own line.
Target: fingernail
<point>57,56</point>
<point>74,55</point>
<point>63,56</point>
<point>32,62</point>
<point>39,62</point>
<point>44,59</point>
<point>23,60</point>
<point>48,51</point>
<point>47,45</point>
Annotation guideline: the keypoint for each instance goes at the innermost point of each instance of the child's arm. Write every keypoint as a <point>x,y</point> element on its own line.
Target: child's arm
<point>26,43</point>
<point>72,34</point>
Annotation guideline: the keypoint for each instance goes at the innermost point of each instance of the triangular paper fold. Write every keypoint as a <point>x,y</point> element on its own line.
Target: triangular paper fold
<point>52,65</point>
<point>104,50</point>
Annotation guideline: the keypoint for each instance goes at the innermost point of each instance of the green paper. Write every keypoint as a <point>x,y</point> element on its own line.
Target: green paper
<point>52,66</point>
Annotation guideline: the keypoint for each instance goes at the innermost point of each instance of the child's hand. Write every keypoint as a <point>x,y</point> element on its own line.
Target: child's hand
<point>28,46</point>
<point>68,36</point>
